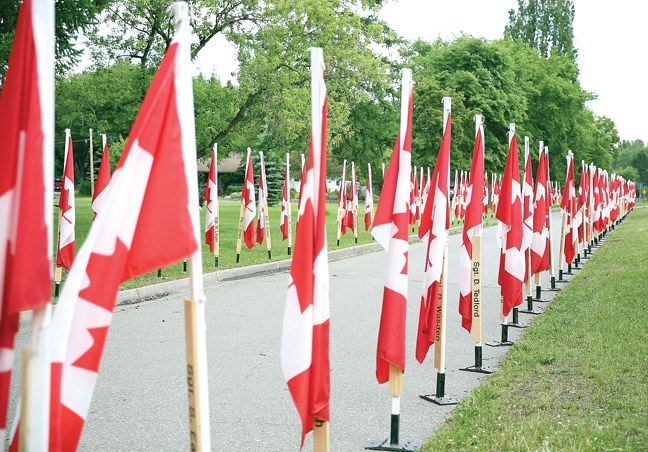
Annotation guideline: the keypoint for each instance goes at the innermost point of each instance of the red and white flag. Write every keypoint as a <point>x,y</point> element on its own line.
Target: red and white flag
<point>540,245</point>
<point>527,208</point>
<point>472,228</point>
<point>509,213</point>
<point>263,196</point>
<point>26,177</point>
<point>154,183</point>
<point>390,229</point>
<point>568,205</point>
<point>435,224</point>
<point>368,219</point>
<point>582,203</point>
<point>284,221</point>
<point>342,217</point>
<point>247,195</point>
<point>65,254</point>
<point>211,201</point>
<point>352,202</point>
<point>103,179</point>
<point>305,334</point>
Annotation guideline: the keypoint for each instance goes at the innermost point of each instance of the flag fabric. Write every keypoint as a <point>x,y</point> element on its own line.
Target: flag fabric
<point>284,221</point>
<point>154,183</point>
<point>368,200</point>
<point>211,201</point>
<point>582,203</point>
<point>433,231</point>
<point>261,213</point>
<point>247,196</point>
<point>26,177</point>
<point>342,204</point>
<point>305,334</point>
<point>541,209</point>
<point>352,201</point>
<point>103,179</point>
<point>509,213</point>
<point>390,229</point>
<point>527,207</point>
<point>568,205</point>
<point>472,227</point>
<point>65,255</point>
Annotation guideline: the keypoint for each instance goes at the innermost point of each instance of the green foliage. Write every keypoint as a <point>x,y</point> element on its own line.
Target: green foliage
<point>545,25</point>
<point>72,17</point>
<point>631,161</point>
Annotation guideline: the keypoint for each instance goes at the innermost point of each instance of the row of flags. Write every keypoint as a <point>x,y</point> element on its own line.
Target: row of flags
<point>155,182</point>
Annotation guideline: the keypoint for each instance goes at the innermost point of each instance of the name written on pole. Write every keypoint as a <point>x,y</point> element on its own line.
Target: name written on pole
<point>193,436</point>
<point>439,310</point>
<point>475,292</point>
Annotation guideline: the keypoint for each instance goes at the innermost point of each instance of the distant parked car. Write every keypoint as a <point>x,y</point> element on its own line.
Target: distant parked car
<point>58,186</point>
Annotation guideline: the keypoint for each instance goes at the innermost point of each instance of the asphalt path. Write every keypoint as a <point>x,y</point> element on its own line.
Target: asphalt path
<point>140,401</point>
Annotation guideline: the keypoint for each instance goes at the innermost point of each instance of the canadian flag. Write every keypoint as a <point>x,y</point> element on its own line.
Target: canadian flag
<point>263,196</point>
<point>247,196</point>
<point>305,334</point>
<point>342,204</point>
<point>352,201</point>
<point>435,223</point>
<point>26,177</point>
<point>472,228</point>
<point>154,183</point>
<point>65,255</point>
<point>211,201</point>
<point>540,246</point>
<point>103,179</point>
<point>368,220</point>
<point>390,229</point>
<point>509,213</point>
<point>284,221</point>
<point>527,207</point>
<point>568,205</point>
<point>582,203</point>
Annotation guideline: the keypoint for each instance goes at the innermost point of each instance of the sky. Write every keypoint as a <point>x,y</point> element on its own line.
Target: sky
<point>610,37</point>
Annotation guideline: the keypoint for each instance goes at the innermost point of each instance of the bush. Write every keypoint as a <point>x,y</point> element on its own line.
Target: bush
<point>233,189</point>
<point>83,188</point>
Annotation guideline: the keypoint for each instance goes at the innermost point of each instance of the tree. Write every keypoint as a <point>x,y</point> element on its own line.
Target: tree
<point>72,17</point>
<point>545,25</point>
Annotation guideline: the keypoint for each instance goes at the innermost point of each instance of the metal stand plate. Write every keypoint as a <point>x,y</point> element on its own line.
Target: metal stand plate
<point>478,370</point>
<point>526,311</point>
<point>499,344</point>
<point>439,400</point>
<point>517,325</point>
<point>384,445</point>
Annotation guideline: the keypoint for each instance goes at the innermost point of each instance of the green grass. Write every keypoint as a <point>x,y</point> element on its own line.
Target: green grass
<point>229,215</point>
<point>578,380</point>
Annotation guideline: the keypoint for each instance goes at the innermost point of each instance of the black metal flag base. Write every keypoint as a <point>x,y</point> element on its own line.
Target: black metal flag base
<point>215,261</point>
<point>439,398</point>
<point>289,251</point>
<point>270,254</point>
<point>478,367</point>
<point>553,287</point>
<point>57,287</point>
<point>385,445</point>
<point>529,309</point>
<point>338,242</point>
<point>515,323</point>
<point>504,342</point>
<point>184,266</point>
<point>159,272</point>
<point>392,443</point>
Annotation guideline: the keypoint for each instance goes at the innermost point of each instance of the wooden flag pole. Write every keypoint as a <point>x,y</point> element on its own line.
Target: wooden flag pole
<point>371,213</point>
<point>289,207</point>
<point>195,326</point>
<point>91,166</point>
<point>340,212</point>
<point>264,207</point>
<point>354,202</point>
<point>321,436</point>
<point>239,235</point>
<point>563,226</point>
<point>383,171</point>
<point>439,397</point>
<point>552,269</point>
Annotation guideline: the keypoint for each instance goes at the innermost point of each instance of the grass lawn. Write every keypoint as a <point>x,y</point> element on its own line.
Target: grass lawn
<point>229,215</point>
<point>578,380</point>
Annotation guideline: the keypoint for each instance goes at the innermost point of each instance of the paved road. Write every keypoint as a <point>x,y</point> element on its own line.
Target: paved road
<point>140,400</point>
